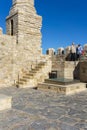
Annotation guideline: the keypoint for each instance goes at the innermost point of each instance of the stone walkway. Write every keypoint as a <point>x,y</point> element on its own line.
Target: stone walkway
<point>40,110</point>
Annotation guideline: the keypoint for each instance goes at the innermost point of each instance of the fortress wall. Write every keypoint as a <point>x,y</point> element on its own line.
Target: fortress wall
<point>7,46</point>
<point>21,47</point>
<point>12,60</point>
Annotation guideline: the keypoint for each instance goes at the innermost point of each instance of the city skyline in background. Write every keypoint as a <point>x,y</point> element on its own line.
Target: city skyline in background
<point>63,21</point>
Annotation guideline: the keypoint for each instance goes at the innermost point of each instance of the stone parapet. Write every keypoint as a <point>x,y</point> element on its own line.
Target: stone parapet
<point>50,52</point>
<point>60,51</point>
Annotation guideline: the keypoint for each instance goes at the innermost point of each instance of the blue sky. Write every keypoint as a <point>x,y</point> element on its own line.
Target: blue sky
<point>64,21</point>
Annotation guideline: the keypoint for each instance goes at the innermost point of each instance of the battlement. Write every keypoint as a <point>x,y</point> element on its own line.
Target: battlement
<point>63,54</point>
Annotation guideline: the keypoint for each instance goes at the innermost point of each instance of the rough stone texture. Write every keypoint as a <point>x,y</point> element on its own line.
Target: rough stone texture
<point>65,69</point>
<point>5,102</point>
<point>50,51</point>
<point>7,52</point>
<point>60,51</point>
<point>35,75</point>
<point>63,89</point>
<point>21,47</point>
<point>40,110</point>
<point>83,71</point>
<point>26,26</point>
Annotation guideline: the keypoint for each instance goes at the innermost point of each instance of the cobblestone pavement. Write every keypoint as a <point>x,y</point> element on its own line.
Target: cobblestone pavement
<point>40,110</point>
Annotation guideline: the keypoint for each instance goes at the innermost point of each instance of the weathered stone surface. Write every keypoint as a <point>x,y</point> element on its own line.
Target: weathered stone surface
<point>50,51</point>
<point>83,71</point>
<point>39,110</point>
<point>7,52</point>
<point>65,69</point>
<point>21,47</point>
<point>60,51</point>
<point>68,89</point>
<point>5,102</point>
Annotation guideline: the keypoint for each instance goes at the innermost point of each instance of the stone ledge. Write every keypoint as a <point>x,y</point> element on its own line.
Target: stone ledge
<point>5,102</point>
<point>63,89</point>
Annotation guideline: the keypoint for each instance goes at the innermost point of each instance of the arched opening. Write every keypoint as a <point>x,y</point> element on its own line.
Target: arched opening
<point>12,27</point>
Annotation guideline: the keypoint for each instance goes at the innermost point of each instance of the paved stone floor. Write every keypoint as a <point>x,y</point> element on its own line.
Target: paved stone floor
<point>40,110</point>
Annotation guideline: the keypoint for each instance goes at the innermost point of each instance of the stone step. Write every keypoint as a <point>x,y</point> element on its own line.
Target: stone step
<point>41,63</point>
<point>28,77</point>
<point>20,82</point>
<point>30,84</point>
<point>5,102</point>
<point>38,67</point>
<point>31,73</point>
<point>22,79</point>
<point>63,89</point>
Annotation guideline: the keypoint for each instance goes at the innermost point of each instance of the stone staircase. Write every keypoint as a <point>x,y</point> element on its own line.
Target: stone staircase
<point>34,76</point>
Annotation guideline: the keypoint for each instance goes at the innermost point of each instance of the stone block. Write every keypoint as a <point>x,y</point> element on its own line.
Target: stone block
<point>5,102</point>
<point>83,71</point>
<point>75,88</point>
<point>63,89</point>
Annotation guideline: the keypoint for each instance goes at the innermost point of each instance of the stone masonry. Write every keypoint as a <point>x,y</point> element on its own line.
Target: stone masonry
<point>63,68</point>
<point>21,46</point>
<point>83,69</point>
<point>25,24</point>
<point>7,49</point>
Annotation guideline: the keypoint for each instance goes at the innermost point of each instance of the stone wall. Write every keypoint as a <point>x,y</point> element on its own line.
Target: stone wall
<point>26,26</point>
<point>83,69</point>
<point>7,51</point>
<point>14,60</point>
<point>20,49</point>
<point>14,19</point>
<point>65,69</point>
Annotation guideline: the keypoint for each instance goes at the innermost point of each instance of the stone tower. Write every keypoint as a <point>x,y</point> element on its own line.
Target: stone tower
<point>21,45</point>
<point>25,24</point>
